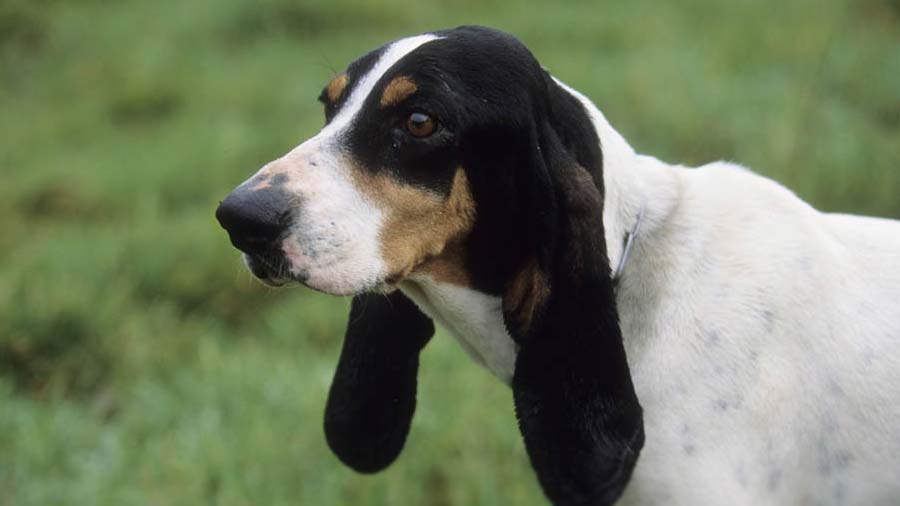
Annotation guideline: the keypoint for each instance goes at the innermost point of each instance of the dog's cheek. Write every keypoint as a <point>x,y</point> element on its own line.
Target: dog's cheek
<point>421,228</point>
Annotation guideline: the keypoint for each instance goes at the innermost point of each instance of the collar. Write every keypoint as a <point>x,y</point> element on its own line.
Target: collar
<point>629,244</point>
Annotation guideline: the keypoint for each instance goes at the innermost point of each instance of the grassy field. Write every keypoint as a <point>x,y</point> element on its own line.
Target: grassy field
<point>140,364</point>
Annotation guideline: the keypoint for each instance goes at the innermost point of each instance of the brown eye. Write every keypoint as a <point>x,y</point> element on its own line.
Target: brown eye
<point>420,125</point>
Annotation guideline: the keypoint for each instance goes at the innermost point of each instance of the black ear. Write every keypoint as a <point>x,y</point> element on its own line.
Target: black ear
<point>373,395</point>
<point>575,402</point>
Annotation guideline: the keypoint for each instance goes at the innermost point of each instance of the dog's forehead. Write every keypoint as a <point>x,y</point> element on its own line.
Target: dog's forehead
<point>466,51</point>
<point>454,43</point>
<point>364,75</point>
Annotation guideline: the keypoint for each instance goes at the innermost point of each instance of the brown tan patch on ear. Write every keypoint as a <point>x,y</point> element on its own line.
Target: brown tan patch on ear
<point>398,90</point>
<point>524,294</point>
<point>336,87</point>
<point>583,204</point>
<point>423,231</point>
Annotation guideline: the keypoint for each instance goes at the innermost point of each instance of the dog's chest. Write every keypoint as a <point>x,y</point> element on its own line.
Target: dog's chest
<point>475,319</point>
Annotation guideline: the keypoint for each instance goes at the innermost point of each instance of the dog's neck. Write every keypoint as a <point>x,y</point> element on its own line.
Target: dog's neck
<point>640,194</point>
<point>638,189</point>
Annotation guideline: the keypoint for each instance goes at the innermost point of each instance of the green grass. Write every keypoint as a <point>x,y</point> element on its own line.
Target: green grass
<point>140,364</point>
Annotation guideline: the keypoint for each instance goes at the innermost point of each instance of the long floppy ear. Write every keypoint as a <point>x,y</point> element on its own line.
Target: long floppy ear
<point>575,402</point>
<point>373,394</point>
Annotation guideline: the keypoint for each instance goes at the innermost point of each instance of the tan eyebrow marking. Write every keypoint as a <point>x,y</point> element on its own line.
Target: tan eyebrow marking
<point>398,90</point>
<point>336,87</point>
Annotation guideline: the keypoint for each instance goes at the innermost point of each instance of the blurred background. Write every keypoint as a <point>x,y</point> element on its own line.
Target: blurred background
<point>140,364</point>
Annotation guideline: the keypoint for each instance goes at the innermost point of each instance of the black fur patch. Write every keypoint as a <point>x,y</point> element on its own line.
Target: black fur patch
<point>373,394</point>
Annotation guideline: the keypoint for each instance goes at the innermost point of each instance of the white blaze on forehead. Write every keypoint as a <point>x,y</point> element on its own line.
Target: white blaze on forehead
<point>363,88</point>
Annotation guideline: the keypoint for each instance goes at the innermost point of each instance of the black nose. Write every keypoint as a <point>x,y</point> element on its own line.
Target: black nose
<point>253,219</point>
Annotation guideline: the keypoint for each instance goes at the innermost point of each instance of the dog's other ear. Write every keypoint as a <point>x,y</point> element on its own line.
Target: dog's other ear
<point>373,394</point>
<point>575,402</point>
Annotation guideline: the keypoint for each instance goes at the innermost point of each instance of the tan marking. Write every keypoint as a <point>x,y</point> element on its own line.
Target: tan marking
<point>449,266</point>
<point>583,204</point>
<point>524,293</point>
<point>335,87</point>
<point>423,231</point>
<point>398,90</point>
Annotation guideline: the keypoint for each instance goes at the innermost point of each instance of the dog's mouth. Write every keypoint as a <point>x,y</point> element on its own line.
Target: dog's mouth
<point>268,269</point>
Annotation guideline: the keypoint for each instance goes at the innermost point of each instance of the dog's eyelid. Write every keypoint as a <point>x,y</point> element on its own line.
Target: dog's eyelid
<point>418,110</point>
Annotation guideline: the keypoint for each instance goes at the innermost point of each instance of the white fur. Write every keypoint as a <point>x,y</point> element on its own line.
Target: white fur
<point>764,340</point>
<point>471,317</point>
<point>334,244</point>
<point>763,336</point>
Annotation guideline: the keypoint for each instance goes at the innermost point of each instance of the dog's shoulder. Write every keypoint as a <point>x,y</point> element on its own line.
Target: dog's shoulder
<point>728,186</point>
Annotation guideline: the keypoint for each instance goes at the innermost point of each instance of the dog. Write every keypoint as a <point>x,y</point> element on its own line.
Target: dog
<point>671,335</point>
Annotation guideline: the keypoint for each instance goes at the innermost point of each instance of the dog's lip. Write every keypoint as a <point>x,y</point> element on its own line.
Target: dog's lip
<point>273,282</point>
<point>263,271</point>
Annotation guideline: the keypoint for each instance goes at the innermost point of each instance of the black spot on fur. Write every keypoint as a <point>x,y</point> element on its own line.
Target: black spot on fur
<point>768,318</point>
<point>773,480</point>
<point>740,475</point>
<point>712,337</point>
<point>830,460</point>
<point>279,180</point>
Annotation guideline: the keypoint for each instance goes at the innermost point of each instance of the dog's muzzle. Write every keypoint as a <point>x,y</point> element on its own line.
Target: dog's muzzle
<point>256,221</point>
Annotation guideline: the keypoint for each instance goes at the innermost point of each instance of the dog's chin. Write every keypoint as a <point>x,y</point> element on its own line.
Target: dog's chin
<point>276,273</point>
<point>333,285</point>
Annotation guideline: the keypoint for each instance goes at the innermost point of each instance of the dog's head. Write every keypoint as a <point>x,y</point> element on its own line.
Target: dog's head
<point>441,154</point>
<point>453,155</point>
